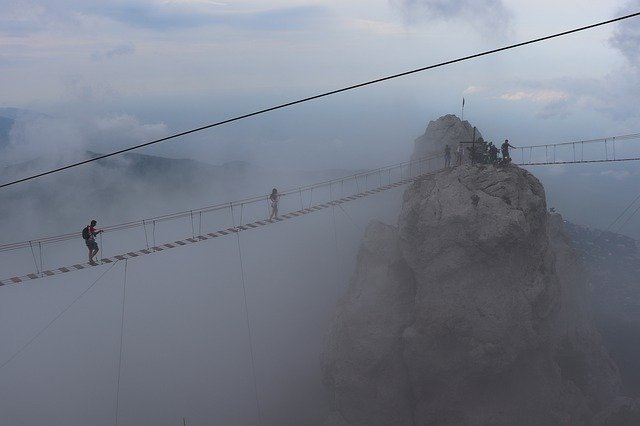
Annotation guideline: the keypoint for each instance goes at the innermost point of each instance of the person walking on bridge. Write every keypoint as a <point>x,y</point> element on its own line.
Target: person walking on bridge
<point>89,234</point>
<point>505,151</point>
<point>274,199</point>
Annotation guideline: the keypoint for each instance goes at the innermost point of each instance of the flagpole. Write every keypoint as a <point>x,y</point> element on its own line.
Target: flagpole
<point>462,115</point>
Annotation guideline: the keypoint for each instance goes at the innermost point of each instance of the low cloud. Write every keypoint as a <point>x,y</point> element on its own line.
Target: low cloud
<point>44,138</point>
<point>120,50</point>
<point>616,174</point>
<point>56,139</point>
<point>473,90</point>
<point>170,15</point>
<point>377,27</point>
<point>626,38</point>
<point>79,88</point>
<point>538,96</point>
<point>614,95</point>
<point>166,15</point>
<point>124,129</point>
<point>490,17</point>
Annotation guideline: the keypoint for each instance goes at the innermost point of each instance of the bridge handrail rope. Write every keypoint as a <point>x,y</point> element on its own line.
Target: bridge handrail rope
<point>220,206</point>
<point>549,163</point>
<point>587,141</point>
<point>321,205</point>
<point>551,153</point>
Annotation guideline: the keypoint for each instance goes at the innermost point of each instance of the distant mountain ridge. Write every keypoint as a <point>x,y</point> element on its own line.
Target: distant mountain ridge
<point>9,116</point>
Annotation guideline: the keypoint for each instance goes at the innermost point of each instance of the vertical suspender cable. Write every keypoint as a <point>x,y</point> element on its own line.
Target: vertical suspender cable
<point>40,249</point>
<point>154,235</point>
<point>144,225</point>
<point>101,248</point>
<point>246,312</point>
<point>193,231</point>
<point>56,318</point>
<point>200,225</point>
<point>34,257</point>
<point>335,234</point>
<point>300,194</point>
<point>124,295</point>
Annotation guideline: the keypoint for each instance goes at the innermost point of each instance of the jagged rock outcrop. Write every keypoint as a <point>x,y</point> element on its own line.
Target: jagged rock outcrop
<point>448,129</point>
<point>471,311</point>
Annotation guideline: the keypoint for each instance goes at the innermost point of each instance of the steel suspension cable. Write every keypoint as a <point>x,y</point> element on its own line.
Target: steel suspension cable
<point>325,94</point>
<point>124,296</point>
<point>623,213</point>
<point>628,219</point>
<point>56,318</point>
<point>248,321</point>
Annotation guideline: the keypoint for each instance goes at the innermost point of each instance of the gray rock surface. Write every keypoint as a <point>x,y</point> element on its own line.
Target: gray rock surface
<point>448,129</point>
<point>471,311</point>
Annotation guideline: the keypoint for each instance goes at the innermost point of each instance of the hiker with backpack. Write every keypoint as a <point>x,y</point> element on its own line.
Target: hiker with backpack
<point>89,234</point>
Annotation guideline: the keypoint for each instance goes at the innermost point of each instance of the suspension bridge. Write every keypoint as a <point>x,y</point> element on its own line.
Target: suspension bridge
<point>307,199</point>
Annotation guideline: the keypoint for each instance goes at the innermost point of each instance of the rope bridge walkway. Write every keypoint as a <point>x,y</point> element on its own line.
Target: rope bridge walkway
<point>603,150</point>
<point>409,166</point>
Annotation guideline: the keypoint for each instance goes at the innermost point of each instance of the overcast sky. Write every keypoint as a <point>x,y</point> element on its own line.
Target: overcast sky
<point>146,68</point>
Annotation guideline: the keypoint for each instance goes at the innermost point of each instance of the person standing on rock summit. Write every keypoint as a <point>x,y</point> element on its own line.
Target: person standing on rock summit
<point>505,150</point>
<point>459,155</point>
<point>447,156</point>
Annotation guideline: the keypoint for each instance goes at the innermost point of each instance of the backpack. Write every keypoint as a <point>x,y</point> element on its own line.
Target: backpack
<point>85,233</point>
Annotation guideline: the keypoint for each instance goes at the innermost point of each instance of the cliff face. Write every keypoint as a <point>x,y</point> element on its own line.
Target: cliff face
<point>470,312</point>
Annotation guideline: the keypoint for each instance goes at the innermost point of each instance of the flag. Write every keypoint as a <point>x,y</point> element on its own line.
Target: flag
<point>462,102</point>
